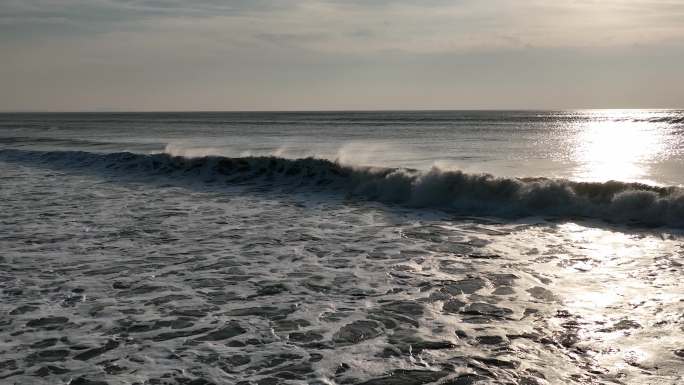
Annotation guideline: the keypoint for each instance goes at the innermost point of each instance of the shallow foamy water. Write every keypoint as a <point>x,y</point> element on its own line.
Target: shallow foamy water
<point>153,280</point>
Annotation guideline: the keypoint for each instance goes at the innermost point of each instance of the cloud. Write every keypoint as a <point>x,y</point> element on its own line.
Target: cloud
<point>156,54</point>
<point>362,26</point>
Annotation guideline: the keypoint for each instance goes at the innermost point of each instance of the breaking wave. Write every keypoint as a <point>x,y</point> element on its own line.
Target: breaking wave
<point>663,119</point>
<point>455,191</point>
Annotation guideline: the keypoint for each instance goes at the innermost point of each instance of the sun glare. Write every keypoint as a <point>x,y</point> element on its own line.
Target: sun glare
<point>619,147</point>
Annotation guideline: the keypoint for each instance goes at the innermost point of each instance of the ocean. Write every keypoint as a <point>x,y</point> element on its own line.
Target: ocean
<point>330,248</point>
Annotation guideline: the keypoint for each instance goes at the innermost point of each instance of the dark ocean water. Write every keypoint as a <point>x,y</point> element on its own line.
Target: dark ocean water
<point>342,248</point>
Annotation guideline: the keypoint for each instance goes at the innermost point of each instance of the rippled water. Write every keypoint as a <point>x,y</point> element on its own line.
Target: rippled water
<point>586,145</point>
<point>124,275</point>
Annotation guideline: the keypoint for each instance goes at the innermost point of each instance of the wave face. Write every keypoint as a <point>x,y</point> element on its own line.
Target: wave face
<point>455,191</point>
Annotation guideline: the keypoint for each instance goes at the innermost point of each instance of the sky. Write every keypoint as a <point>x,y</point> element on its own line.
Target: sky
<point>157,55</point>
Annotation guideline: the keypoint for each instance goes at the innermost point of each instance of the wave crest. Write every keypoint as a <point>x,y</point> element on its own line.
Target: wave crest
<point>456,191</point>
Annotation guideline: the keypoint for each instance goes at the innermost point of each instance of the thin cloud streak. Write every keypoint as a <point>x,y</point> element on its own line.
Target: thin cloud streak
<point>435,26</point>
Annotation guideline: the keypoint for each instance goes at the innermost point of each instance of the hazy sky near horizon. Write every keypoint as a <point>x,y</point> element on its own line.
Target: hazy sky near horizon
<point>332,54</point>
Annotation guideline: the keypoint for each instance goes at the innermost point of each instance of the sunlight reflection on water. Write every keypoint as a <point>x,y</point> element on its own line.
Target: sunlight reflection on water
<point>620,145</point>
<point>627,296</point>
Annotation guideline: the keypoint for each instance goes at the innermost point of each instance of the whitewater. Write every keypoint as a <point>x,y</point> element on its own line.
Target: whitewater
<point>428,247</point>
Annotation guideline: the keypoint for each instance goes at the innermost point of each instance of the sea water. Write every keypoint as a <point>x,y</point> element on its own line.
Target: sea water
<point>446,247</point>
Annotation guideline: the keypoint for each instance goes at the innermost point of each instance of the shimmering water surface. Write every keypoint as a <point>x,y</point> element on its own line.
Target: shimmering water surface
<point>119,266</point>
<point>596,145</point>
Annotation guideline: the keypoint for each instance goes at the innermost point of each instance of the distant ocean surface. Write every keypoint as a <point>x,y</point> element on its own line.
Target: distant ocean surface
<point>587,145</point>
<point>445,247</point>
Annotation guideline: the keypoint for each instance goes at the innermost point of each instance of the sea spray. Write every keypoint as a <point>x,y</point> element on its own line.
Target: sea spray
<point>452,190</point>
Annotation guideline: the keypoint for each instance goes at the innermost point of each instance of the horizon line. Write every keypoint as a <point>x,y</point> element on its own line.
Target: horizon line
<point>104,111</point>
